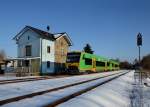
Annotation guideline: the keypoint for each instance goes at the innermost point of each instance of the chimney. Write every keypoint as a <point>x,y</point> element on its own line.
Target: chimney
<point>48,28</point>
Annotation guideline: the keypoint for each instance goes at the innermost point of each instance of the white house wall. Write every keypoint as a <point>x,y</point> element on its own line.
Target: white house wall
<point>47,56</point>
<point>34,40</point>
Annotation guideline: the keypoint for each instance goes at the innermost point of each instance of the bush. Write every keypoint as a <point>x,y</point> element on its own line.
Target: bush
<point>125,65</point>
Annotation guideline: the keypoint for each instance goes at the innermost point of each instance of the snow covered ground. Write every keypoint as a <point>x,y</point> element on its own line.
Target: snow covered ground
<point>45,99</point>
<point>126,91</point>
<point>141,92</point>
<point>23,88</point>
<point>4,77</point>
<point>115,93</point>
<point>146,94</point>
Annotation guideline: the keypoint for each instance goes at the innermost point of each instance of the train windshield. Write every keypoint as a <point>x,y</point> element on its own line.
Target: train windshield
<point>73,57</point>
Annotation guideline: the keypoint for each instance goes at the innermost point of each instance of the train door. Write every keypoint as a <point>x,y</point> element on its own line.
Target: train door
<point>94,64</point>
<point>105,66</point>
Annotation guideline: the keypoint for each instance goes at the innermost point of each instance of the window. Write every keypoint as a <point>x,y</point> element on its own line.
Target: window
<point>116,65</point>
<point>113,65</point>
<point>98,63</point>
<point>73,57</point>
<point>88,61</point>
<point>48,49</point>
<point>48,64</point>
<point>28,50</point>
<point>28,37</point>
<point>108,64</point>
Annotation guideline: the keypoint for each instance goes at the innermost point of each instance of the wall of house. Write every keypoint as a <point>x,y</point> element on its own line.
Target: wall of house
<point>47,56</point>
<point>34,40</point>
<point>61,49</point>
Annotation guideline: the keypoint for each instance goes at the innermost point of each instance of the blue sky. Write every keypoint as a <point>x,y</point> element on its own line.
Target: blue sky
<point>110,26</point>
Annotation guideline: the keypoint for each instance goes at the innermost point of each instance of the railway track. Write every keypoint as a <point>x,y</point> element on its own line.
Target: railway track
<point>32,79</point>
<point>28,79</point>
<point>65,98</point>
<point>77,93</point>
<point>24,80</point>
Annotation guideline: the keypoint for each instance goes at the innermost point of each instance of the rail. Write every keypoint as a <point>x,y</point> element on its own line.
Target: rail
<point>9,100</point>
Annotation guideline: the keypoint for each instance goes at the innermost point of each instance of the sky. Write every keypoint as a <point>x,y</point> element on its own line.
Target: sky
<point>109,26</point>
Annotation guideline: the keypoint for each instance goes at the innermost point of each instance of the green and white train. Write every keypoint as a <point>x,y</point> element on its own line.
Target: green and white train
<point>79,62</point>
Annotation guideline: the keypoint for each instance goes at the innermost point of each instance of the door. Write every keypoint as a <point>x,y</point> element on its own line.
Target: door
<point>94,64</point>
<point>26,63</point>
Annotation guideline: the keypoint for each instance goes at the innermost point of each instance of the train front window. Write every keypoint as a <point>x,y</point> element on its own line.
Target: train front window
<point>73,57</point>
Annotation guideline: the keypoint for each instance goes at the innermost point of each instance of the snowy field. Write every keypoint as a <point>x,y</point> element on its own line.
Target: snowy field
<point>23,88</point>
<point>45,99</point>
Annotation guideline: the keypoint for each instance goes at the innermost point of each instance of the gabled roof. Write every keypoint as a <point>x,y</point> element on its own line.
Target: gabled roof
<point>45,34</point>
<point>42,33</point>
<point>66,37</point>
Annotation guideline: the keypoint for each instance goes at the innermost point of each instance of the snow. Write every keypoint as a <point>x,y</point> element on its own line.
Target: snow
<point>141,93</point>
<point>23,88</point>
<point>146,97</point>
<point>113,94</point>
<point>126,91</point>
<point>14,77</point>
<point>148,80</point>
<point>47,98</point>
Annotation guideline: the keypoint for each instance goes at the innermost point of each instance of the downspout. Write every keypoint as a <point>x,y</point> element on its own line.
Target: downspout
<point>41,57</point>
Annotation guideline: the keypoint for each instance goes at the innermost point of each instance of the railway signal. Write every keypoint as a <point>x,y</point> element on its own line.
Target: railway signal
<point>139,43</point>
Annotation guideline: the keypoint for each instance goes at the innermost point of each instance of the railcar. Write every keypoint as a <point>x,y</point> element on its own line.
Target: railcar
<point>80,62</point>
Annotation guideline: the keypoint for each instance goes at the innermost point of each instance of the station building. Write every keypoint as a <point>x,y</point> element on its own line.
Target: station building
<point>40,51</point>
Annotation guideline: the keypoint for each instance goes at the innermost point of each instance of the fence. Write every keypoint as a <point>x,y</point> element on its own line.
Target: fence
<point>24,71</point>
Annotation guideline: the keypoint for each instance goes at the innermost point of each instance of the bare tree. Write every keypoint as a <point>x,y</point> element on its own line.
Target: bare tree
<point>125,65</point>
<point>146,62</point>
<point>2,55</point>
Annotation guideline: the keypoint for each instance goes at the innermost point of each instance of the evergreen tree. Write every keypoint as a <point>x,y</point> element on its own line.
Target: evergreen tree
<point>88,49</point>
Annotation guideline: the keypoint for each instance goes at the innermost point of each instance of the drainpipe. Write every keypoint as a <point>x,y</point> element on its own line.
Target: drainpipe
<point>41,57</point>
